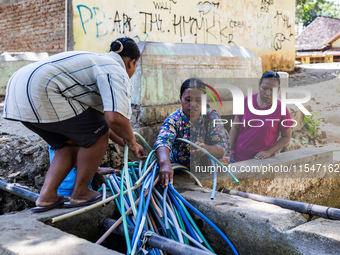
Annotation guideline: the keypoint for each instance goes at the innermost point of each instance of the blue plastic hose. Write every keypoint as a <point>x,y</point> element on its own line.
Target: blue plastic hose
<point>205,219</point>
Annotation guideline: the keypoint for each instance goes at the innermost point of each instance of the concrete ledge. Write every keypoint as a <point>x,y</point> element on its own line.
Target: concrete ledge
<point>195,49</point>
<point>7,69</point>
<point>320,232</point>
<point>289,164</point>
<point>4,251</point>
<point>296,157</point>
<point>10,62</point>
<point>259,228</point>
<point>25,233</point>
<point>298,186</point>
<point>23,56</point>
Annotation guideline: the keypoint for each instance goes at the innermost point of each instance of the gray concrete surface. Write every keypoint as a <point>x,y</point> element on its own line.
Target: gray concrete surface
<point>26,233</point>
<point>165,66</point>
<point>10,62</point>
<point>320,236</point>
<point>291,164</point>
<point>260,228</point>
<point>291,177</point>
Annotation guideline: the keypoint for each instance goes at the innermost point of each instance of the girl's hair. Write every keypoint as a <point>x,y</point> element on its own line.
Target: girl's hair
<point>271,75</point>
<point>192,83</point>
<point>125,47</point>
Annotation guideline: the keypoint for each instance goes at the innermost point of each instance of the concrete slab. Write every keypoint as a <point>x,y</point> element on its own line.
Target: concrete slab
<point>291,164</point>
<point>259,228</point>
<point>7,69</point>
<point>325,233</point>
<point>291,176</point>
<point>25,233</point>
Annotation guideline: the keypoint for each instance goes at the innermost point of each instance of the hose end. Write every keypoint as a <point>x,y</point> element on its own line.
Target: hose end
<point>224,190</point>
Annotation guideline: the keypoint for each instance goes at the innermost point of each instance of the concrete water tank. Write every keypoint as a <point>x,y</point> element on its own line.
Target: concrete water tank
<point>164,66</point>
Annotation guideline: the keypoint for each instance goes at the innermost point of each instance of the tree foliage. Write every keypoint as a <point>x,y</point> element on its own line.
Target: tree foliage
<point>309,10</point>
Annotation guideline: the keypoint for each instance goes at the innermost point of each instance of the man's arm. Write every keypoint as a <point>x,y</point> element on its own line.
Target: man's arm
<point>117,139</point>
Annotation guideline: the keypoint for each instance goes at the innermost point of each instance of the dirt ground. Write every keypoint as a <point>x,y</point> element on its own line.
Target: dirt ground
<point>323,82</point>
<point>313,74</point>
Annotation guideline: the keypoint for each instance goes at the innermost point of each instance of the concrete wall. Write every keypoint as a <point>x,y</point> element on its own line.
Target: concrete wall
<point>264,27</point>
<point>304,175</point>
<point>165,66</point>
<point>11,62</point>
<point>7,69</point>
<point>32,25</point>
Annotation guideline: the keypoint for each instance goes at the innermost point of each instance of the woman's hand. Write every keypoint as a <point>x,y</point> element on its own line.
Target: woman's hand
<point>138,151</point>
<point>215,150</point>
<point>166,174</point>
<point>262,155</point>
<point>198,152</point>
<point>285,138</point>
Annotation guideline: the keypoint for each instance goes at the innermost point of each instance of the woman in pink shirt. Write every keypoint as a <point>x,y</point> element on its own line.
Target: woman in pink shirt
<point>256,136</point>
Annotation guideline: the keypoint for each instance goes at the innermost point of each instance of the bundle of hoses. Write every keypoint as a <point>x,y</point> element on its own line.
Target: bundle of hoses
<point>163,211</point>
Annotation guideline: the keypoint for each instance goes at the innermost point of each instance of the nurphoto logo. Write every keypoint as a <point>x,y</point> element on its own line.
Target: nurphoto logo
<point>238,104</point>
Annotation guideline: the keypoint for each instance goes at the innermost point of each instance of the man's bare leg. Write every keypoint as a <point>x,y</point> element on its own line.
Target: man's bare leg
<point>88,161</point>
<point>62,163</point>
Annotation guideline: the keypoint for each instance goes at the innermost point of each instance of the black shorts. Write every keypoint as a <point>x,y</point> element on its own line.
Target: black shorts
<point>84,129</point>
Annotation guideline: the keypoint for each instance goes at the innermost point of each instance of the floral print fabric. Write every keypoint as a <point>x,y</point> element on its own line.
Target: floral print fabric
<point>177,125</point>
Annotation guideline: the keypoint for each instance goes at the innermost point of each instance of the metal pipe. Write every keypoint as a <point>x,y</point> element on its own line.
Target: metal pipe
<point>157,241</point>
<point>21,192</point>
<point>310,209</point>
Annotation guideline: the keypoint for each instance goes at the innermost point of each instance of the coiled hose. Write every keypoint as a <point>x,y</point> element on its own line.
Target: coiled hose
<point>163,211</point>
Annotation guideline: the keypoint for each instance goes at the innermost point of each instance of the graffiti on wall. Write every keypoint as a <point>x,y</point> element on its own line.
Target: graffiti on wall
<point>260,25</point>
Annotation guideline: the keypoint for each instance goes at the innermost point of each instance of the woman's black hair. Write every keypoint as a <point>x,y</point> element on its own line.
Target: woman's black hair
<point>270,74</point>
<point>125,47</point>
<point>192,83</point>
